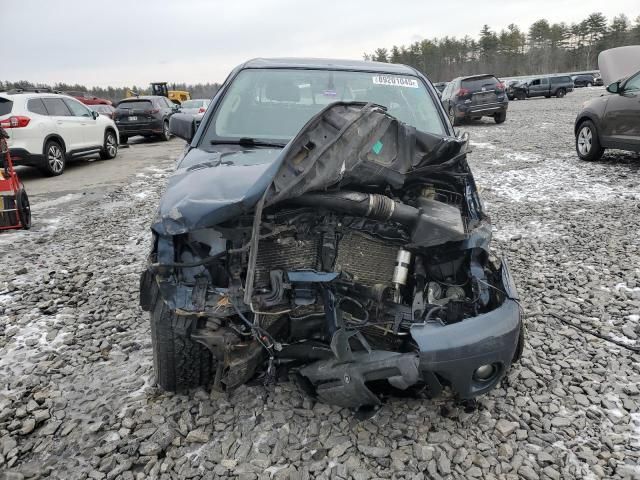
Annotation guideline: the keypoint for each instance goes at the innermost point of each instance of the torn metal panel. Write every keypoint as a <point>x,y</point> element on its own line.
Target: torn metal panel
<point>355,143</point>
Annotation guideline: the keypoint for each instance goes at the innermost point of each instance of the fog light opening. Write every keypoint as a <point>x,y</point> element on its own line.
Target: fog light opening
<point>485,373</point>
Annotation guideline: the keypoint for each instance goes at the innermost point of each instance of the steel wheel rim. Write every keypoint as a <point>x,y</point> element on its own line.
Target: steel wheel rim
<point>585,139</point>
<point>111,145</point>
<point>166,130</point>
<point>54,155</point>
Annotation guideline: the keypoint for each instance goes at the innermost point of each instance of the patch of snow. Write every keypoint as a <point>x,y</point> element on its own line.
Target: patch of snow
<point>623,286</point>
<point>556,181</point>
<point>524,157</point>
<point>486,145</point>
<point>621,339</point>
<point>142,195</point>
<point>36,206</point>
<point>532,229</point>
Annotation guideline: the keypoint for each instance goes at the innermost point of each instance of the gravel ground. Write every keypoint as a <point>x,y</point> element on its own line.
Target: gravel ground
<point>77,398</point>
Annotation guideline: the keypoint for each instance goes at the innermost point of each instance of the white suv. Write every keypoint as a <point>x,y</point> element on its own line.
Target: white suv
<point>48,129</point>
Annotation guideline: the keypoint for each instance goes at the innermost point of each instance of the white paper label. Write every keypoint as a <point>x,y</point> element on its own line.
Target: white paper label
<point>395,81</point>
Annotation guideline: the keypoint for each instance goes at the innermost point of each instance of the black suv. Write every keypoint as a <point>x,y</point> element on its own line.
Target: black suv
<point>587,80</point>
<point>475,97</point>
<point>144,115</point>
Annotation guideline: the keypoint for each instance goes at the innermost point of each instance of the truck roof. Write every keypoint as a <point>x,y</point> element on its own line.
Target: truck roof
<point>329,64</point>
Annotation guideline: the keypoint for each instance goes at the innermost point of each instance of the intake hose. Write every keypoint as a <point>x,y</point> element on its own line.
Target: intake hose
<point>369,205</point>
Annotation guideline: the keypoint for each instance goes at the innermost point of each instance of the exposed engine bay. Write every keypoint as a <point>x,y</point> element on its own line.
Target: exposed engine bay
<point>354,268</point>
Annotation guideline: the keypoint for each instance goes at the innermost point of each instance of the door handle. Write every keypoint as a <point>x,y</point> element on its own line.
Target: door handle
<point>59,122</point>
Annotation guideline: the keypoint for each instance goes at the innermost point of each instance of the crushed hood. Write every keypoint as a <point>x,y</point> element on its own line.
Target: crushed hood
<point>345,144</point>
<point>212,187</point>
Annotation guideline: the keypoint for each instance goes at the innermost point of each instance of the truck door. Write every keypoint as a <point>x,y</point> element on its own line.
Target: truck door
<point>545,87</point>
<point>534,87</point>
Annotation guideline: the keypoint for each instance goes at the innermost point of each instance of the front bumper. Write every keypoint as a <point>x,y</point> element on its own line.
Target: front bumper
<point>447,355</point>
<point>132,129</point>
<point>453,352</point>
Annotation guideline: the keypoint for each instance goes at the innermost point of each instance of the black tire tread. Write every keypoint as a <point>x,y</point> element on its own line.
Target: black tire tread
<point>23,213</point>
<point>179,362</point>
<point>500,117</point>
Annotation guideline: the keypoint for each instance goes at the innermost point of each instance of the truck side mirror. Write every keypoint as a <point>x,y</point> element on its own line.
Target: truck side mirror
<point>614,87</point>
<point>182,125</point>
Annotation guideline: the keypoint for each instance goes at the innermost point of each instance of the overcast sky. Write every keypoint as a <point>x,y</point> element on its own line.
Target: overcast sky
<point>125,42</point>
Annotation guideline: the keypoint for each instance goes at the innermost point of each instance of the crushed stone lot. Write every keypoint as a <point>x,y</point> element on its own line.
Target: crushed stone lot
<point>77,398</point>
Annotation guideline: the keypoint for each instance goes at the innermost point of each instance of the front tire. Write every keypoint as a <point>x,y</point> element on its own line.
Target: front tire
<point>55,158</point>
<point>500,117</point>
<point>589,84</point>
<point>587,142</point>
<point>179,363</point>
<point>560,93</point>
<point>110,146</point>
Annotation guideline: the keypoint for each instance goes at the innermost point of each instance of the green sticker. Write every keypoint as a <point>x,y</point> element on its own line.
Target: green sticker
<point>377,147</point>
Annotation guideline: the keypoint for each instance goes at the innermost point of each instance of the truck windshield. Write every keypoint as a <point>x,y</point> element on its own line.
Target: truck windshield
<point>274,104</point>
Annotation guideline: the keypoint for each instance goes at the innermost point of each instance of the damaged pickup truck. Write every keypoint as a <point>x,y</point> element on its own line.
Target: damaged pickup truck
<point>323,222</point>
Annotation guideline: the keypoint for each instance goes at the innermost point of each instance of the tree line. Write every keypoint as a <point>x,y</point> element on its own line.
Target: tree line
<point>198,90</point>
<point>544,48</point>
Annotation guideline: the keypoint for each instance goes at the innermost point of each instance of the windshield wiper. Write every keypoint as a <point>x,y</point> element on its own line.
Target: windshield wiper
<point>248,142</point>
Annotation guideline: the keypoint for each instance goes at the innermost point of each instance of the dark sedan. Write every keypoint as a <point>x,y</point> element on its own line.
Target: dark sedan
<point>144,115</point>
<point>610,121</point>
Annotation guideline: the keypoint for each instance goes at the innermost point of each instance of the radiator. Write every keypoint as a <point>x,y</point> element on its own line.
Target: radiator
<point>367,260</point>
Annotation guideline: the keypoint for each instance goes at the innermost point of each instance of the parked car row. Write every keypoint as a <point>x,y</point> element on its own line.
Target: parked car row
<point>149,115</point>
<point>48,129</point>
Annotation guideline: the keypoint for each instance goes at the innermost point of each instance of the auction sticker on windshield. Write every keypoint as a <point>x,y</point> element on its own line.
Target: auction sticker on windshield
<point>395,81</point>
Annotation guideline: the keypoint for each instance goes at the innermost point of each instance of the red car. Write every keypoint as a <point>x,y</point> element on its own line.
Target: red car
<point>88,99</point>
<point>106,110</point>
